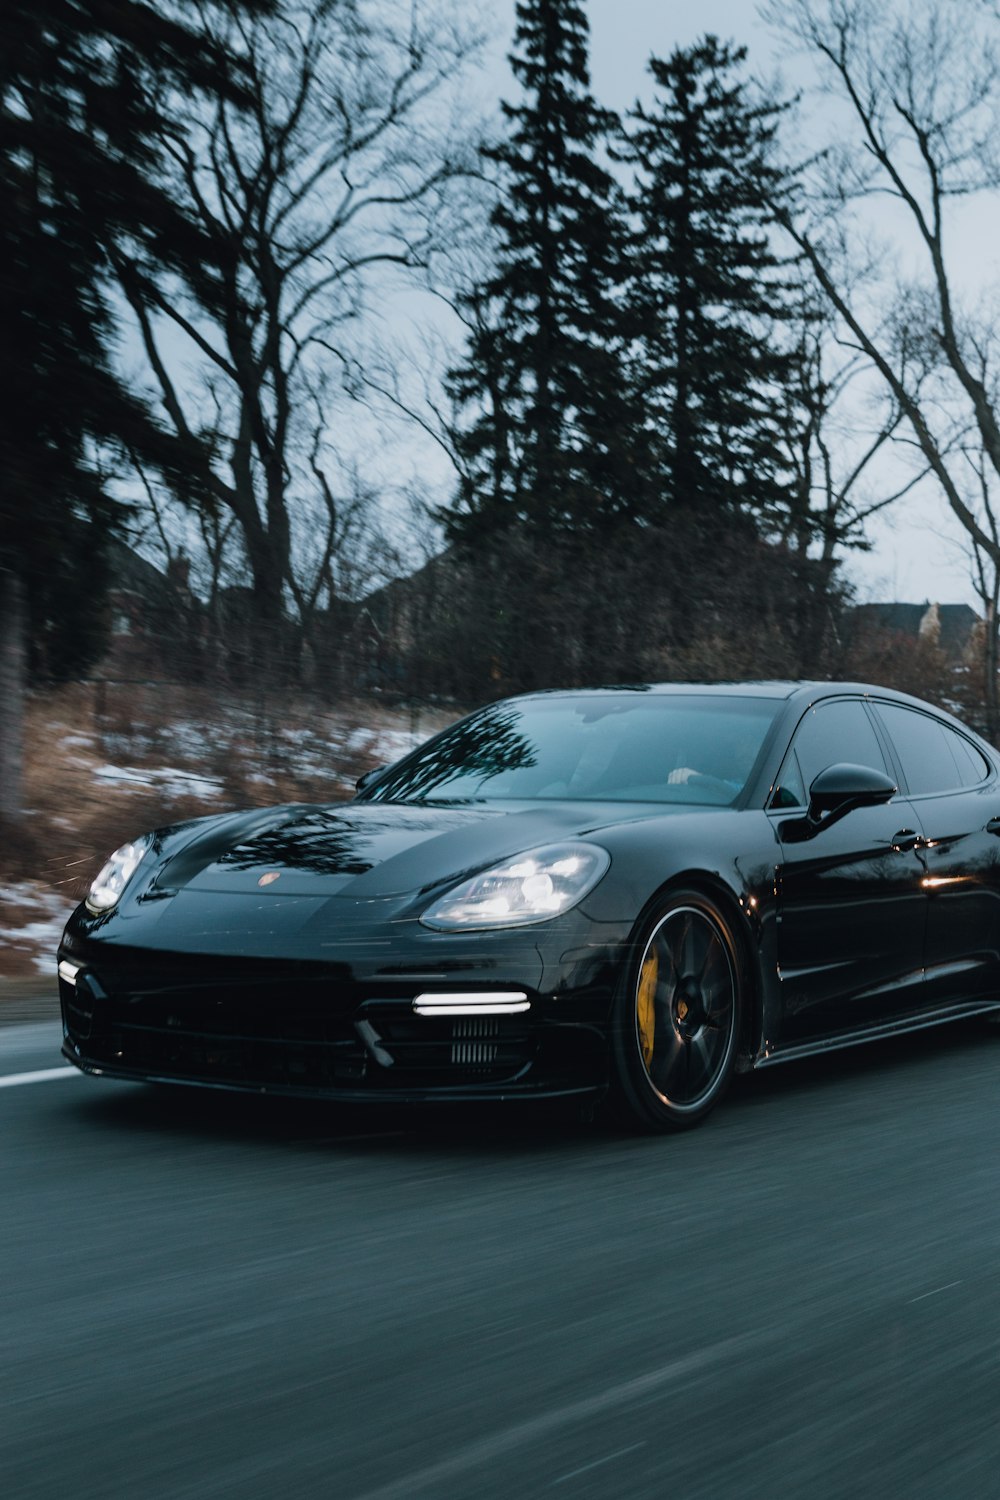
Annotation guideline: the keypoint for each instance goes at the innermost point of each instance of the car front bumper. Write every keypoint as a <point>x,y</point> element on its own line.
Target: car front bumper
<point>316,1029</point>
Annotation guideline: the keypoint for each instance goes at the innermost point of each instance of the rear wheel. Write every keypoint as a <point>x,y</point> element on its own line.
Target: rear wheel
<point>678,1017</point>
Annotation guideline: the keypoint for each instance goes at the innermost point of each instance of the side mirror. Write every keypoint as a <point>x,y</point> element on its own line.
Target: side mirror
<point>841,788</point>
<point>369,778</point>
<point>835,792</point>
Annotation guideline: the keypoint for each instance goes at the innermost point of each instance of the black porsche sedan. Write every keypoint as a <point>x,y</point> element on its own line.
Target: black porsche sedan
<point>622,892</point>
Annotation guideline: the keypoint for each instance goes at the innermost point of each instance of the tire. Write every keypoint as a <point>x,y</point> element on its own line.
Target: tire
<point>677,1017</point>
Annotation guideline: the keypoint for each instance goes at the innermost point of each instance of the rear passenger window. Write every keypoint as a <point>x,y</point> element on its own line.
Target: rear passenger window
<point>972,765</point>
<point>934,758</point>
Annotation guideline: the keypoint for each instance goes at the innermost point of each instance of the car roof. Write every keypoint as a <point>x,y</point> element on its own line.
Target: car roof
<point>797,695</point>
<point>778,689</point>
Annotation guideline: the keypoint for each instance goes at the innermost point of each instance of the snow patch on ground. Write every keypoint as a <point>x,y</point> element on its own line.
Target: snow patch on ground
<point>395,743</point>
<point>166,779</point>
<point>35,940</point>
<point>309,752</point>
<point>330,750</point>
<point>19,895</point>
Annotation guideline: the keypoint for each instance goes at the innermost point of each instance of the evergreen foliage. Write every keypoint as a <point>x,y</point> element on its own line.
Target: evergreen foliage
<point>557,439</point>
<point>675,602</point>
<point>85,102</point>
<point>708,291</point>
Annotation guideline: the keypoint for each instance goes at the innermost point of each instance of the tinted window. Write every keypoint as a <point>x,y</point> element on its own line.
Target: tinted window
<point>829,734</point>
<point>934,758</point>
<point>622,745</point>
<point>972,765</point>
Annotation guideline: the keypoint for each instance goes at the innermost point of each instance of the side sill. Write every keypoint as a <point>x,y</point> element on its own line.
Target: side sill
<point>887,1029</point>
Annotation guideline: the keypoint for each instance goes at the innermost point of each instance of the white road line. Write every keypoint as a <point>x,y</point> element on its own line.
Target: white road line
<point>476,1454</point>
<point>935,1291</point>
<point>45,1075</point>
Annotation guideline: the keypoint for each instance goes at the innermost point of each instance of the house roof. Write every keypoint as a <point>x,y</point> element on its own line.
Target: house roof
<point>957,621</point>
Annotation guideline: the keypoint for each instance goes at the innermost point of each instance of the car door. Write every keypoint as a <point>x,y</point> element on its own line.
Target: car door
<point>955,794</point>
<point>850,899</point>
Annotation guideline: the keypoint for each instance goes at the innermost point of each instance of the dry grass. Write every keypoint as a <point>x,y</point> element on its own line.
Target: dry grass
<point>102,765</point>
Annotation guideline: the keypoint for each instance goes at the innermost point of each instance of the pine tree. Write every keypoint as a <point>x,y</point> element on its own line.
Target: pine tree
<point>709,291</point>
<point>545,368</point>
<point>85,102</point>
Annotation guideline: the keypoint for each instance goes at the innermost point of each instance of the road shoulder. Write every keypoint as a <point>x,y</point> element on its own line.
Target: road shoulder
<point>23,1001</point>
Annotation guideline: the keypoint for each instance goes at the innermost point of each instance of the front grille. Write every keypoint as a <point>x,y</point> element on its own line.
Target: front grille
<point>285,1028</point>
<point>253,1062</point>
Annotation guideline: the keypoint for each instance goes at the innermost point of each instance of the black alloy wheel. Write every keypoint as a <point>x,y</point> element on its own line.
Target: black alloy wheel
<point>678,1017</point>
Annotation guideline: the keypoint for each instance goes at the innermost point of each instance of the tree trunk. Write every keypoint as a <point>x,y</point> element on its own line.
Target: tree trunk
<point>990,685</point>
<point>12,675</point>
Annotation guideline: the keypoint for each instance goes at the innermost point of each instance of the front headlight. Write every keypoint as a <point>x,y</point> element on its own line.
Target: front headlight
<point>106,891</point>
<point>531,887</point>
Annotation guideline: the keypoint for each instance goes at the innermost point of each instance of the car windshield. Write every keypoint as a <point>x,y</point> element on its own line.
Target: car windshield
<point>627,746</point>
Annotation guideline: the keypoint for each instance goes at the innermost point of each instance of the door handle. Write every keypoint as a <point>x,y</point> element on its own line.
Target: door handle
<point>993,826</point>
<point>906,839</point>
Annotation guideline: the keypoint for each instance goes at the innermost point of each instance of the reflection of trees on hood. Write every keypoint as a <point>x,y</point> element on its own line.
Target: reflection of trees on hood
<point>314,844</point>
<point>482,746</point>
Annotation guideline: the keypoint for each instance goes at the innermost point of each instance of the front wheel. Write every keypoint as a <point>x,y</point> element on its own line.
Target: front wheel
<point>677,1017</point>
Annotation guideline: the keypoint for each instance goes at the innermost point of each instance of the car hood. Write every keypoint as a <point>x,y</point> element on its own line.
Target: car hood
<point>372,850</point>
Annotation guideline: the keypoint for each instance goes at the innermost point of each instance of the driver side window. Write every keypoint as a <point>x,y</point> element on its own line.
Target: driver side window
<point>830,733</point>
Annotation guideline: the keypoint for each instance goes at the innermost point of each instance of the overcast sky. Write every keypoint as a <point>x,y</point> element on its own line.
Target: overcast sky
<point>917,552</point>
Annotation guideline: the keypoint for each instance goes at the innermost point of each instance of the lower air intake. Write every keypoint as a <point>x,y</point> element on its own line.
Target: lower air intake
<point>474,1042</point>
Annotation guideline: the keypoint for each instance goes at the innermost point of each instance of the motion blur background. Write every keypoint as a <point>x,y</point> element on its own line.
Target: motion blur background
<point>371,360</point>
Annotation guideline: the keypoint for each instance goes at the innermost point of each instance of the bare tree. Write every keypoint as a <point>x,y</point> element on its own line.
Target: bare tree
<point>915,100</point>
<point>834,454</point>
<point>338,179</point>
<point>985,660</point>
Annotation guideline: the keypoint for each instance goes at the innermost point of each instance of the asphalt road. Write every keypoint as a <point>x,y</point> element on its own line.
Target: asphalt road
<point>209,1296</point>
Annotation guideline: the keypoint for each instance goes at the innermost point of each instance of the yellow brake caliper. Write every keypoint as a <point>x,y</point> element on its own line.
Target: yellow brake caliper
<point>645,1009</point>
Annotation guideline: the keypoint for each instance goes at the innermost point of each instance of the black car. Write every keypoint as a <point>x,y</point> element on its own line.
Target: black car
<point>629,892</point>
